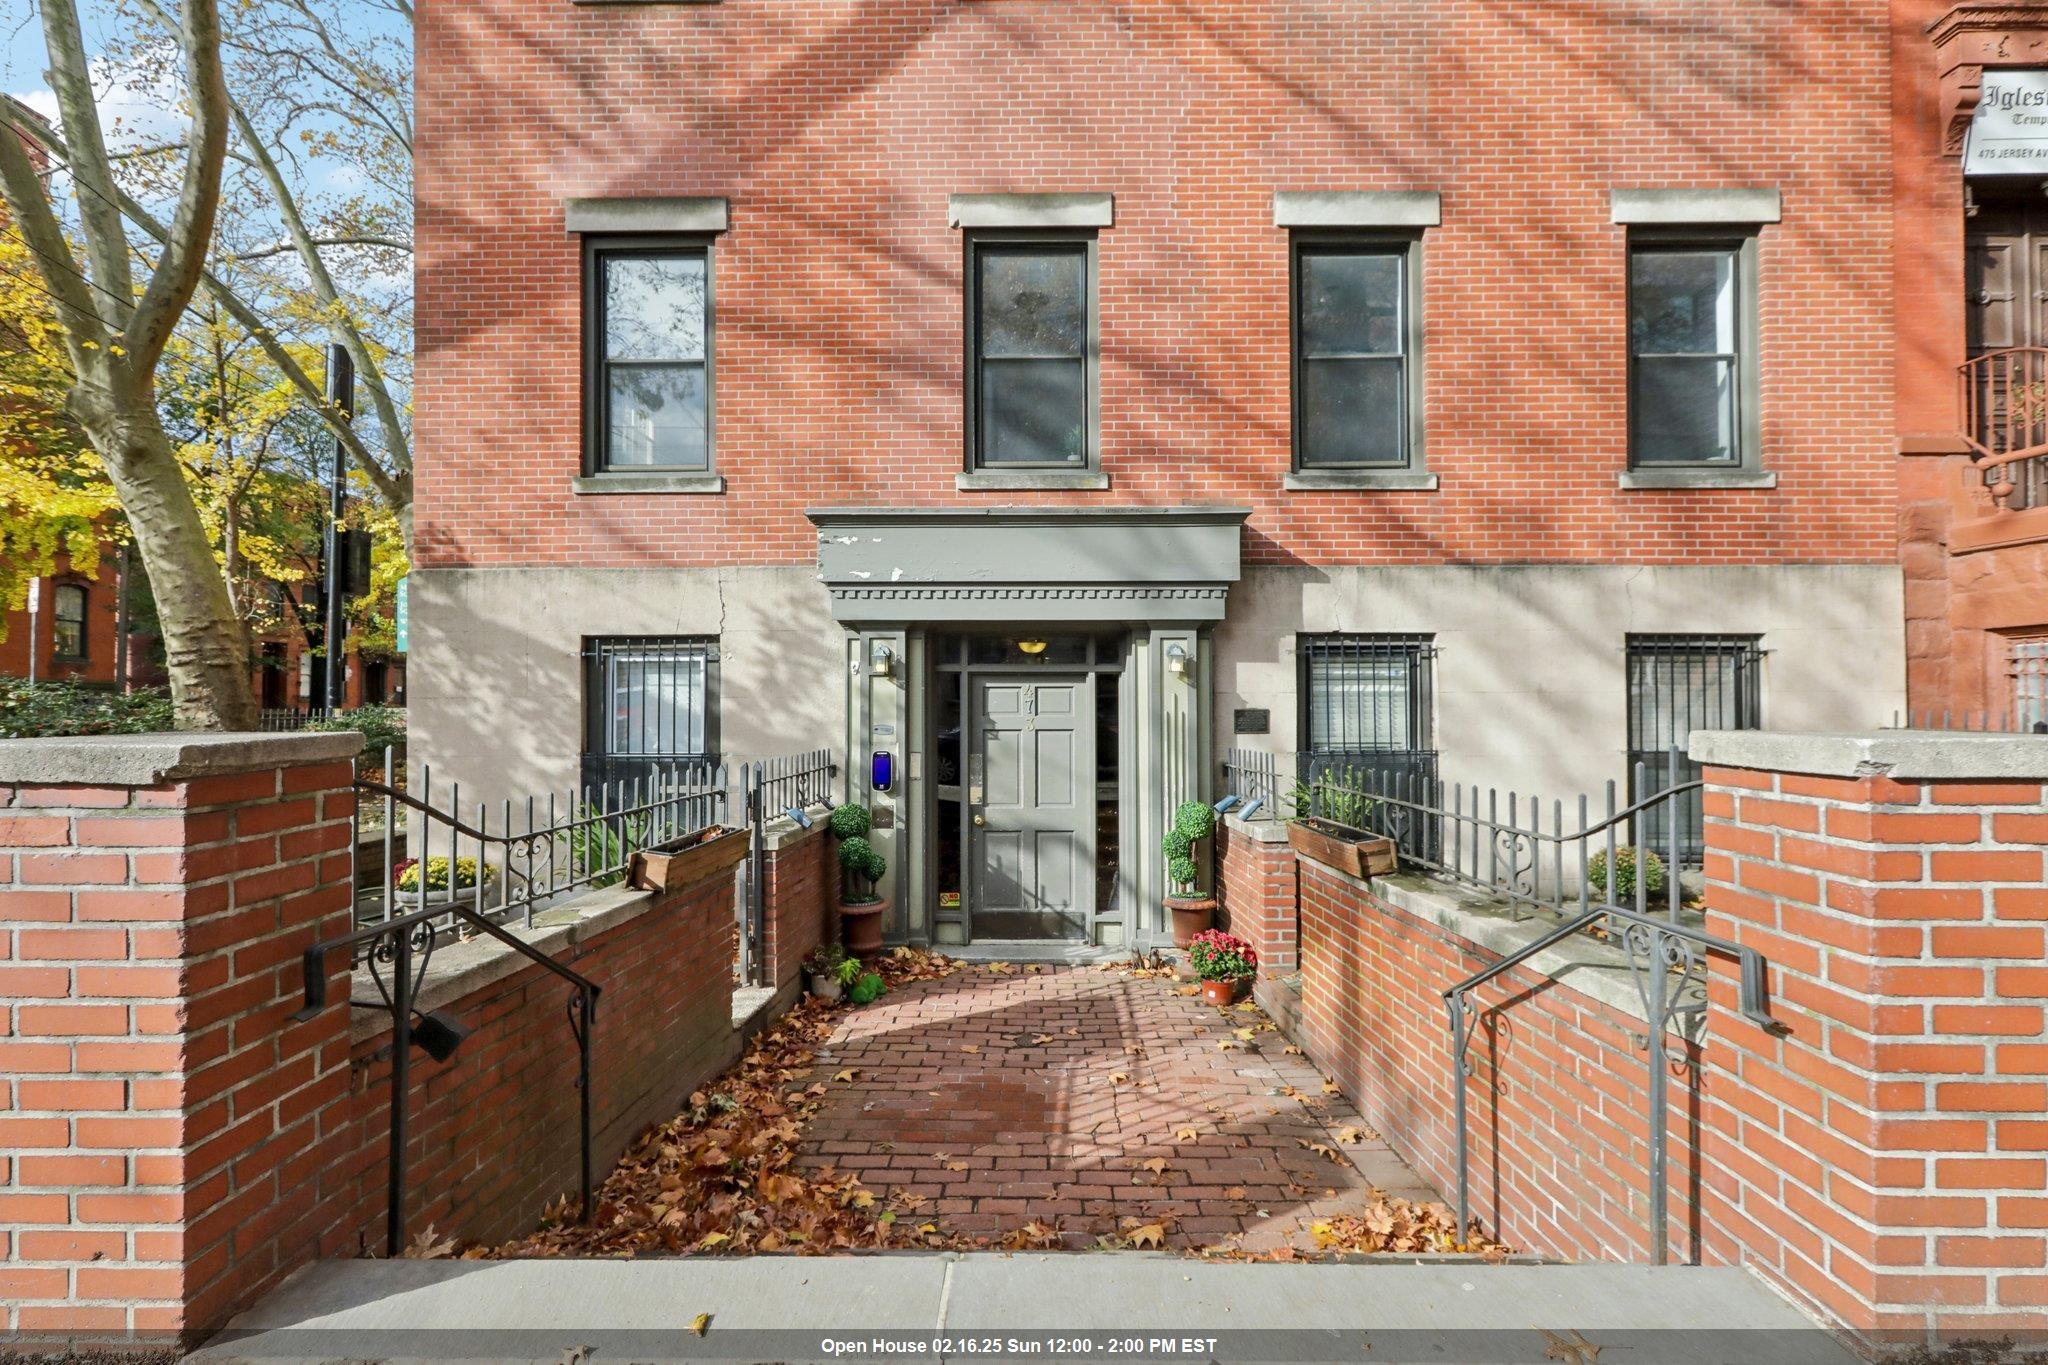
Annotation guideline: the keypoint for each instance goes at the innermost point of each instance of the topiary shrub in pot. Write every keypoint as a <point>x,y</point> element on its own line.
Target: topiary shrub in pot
<point>861,869</point>
<point>1193,824</point>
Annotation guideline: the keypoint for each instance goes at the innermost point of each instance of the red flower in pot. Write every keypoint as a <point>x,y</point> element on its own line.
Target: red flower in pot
<point>1223,963</point>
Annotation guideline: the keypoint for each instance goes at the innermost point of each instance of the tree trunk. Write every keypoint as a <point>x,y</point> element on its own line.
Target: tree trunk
<point>207,650</point>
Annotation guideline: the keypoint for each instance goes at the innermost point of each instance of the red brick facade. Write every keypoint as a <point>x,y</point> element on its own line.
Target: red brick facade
<point>102,616</point>
<point>161,1111</point>
<point>837,134</point>
<point>1894,1160</point>
<point>1257,885</point>
<point>1976,577</point>
<point>801,879</point>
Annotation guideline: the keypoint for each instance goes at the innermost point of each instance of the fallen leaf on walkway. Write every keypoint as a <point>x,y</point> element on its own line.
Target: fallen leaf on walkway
<point>1000,969</point>
<point>1349,1135</point>
<point>911,1203</point>
<point>575,1355</point>
<point>971,1047</point>
<point>1245,1034</point>
<point>712,1240</point>
<point>1231,1045</point>
<point>1157,1165</point>
<point>1134,1050</point>
<point>1042,1038</point>
<point>1292,1050</point>
<point>1190,990</point>
<point>1118,1078</point>
<point>701,1324</point>
<point>1150,1235</point>
<point>845,1075</point>
<point>956,1165</point>
<point>1186,1135</point>
<point>1330,1088</point>
<point>1321,1149</point>
<point>1035,968</point>
<point>1248,1007</point>
<point>429,1246</point>
<point>1234,1192</point>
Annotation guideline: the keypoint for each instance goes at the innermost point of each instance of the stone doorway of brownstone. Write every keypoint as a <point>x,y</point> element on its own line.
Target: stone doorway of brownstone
<point>1090,1101</point>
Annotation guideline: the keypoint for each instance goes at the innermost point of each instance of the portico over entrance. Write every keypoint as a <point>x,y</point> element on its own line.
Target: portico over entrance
<point>1029,697</point>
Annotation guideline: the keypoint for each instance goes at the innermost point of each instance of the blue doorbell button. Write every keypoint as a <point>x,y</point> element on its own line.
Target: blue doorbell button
<point>882,771</point>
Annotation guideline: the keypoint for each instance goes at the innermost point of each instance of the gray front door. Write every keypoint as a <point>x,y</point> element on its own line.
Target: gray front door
<point>1033,766</point>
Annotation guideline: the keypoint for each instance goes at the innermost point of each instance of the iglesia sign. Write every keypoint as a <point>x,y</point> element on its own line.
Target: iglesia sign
<point>2009,131</point>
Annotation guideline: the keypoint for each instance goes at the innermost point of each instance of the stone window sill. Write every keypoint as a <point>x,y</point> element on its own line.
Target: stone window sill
<point>651,483</point>
<point>1033,481</point>
<point>1633,479</point>
<point>1367,480</point>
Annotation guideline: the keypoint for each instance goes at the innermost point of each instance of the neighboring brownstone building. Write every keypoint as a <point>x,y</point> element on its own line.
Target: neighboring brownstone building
<point>1050,394</point>
<point>1972,233</point>
<point>73,631</point>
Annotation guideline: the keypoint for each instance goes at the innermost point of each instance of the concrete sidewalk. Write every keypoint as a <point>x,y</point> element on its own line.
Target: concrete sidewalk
<point>1027,1306</point>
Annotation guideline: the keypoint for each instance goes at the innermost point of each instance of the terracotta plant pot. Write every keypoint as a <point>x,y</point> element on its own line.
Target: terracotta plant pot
<point>692,858</point>
<point>1222,992</point>
<point>860,928</point>
<point>1348,850</point>
<point>1191,915</point>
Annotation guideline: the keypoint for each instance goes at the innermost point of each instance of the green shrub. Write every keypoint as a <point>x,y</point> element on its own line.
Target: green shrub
<point>1193,822</point>
<point>861,862</point>
<point>1624,875</point>
<point>867,990</point>
<point>382,727</point>
<point>850,821</point>
<point>408,878</point>
<point>45,709</point>
<point>1333,797</point>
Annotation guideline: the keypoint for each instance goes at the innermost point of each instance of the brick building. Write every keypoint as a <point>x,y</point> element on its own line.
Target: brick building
<point>1045,395</point>
<point>1971,170</point>
<point>73,633</point>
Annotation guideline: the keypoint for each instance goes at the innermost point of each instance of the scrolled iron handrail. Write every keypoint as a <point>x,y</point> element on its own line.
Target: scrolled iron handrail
<point>1654,946</point>
<point>399,1000</point>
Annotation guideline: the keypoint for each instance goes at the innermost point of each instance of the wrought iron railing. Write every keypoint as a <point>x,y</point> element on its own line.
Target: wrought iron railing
<point>397,953</point>
<point>1251,785</point>
<point>285,719</point>
<point>771,788</point>
<point>1554,855</point>
<point>522,854</point>
<point>2005,423</point>
<point>1667,960</point>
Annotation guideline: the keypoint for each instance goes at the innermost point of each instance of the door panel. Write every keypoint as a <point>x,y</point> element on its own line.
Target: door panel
<point>1034,854</point>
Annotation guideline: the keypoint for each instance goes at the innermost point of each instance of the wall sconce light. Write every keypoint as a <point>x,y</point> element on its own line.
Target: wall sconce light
<point>1177,659</point>
<point>884,660</point>
<point>438,1033</point>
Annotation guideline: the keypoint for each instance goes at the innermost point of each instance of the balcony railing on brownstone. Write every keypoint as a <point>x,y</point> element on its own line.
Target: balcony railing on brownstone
<point>2005,423</point>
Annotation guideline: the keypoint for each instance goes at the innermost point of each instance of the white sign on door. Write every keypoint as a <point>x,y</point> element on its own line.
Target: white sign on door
<point>2009,131</point>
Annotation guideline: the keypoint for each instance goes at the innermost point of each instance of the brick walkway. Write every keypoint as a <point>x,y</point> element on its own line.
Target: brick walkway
<point>1086,1099</point>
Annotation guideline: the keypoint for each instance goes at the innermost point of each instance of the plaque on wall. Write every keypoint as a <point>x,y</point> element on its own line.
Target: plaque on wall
<point>1252,720</point>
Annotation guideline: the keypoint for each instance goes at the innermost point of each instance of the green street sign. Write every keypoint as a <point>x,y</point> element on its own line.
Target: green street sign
<point>402,614</point>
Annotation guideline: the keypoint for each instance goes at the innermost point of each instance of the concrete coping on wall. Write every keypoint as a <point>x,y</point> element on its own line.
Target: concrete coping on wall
<point>783,832</point>
<point>1581,963</point>
<point>460,968</point>
<point>150,760</point>
<point>1901,755</point>
<point>1259,831</point>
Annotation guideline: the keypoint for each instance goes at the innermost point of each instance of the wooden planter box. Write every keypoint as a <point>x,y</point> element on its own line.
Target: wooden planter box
<point>1348,850</point>
<point>692,858</point>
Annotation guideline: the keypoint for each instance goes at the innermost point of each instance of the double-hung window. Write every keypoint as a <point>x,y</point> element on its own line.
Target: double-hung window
<point>648,380</point>
<point>652,705</point>
<point>1031,353</point>
<point>70,621</point>
<point>1357,398</point>
<point>1678,684</point>
<point>1692,354</point>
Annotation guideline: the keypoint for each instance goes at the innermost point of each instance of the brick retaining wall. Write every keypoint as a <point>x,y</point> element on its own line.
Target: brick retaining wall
<point>1256,885</point>
<point>172,1143</point>
<point>1558,1102</point>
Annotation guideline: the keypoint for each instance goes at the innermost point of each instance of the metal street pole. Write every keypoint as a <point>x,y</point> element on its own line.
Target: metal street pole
<point>35,604</point>
<point>341,393</point>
